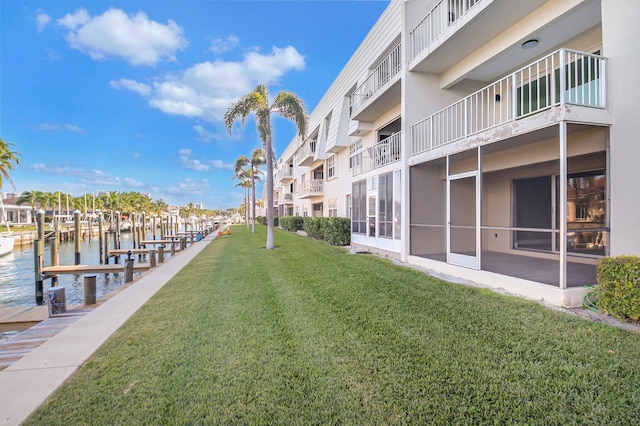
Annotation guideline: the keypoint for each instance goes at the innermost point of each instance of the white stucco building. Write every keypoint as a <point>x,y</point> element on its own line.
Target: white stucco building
<point>492,140</point>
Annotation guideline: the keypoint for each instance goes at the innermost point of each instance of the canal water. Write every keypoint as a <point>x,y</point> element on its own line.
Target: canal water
<point>17,278</point>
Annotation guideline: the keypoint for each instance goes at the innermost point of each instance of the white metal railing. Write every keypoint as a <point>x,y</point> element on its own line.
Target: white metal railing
<point>308,149</point>
<point>443,14</point>
<point>385,152</point>
<point>284,197</point>
<point>379,77</point>
<point>528,91</point>
<point>311,187</point>
<point>285,173</point>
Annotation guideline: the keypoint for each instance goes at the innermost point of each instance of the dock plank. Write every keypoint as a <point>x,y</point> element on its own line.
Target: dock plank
<point>17,346</point>
<point>88,269</point>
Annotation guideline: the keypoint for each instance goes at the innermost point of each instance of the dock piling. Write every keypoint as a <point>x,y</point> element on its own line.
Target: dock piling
<point>90,290</point>
<point>77,234</point>
<point>129,268</point>
<point>37,267</point>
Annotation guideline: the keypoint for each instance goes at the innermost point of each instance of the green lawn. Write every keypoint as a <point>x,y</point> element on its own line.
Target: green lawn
<point>309,334</point>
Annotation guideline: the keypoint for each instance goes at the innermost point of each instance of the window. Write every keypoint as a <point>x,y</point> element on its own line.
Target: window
<point>331,167</point>
<point>385,205</point>
<point>305,213</point>
<point>333,207</point>
<point>536,203</point>
<point>359,208</point>
<point>297,210</point>
<point>348,204</point>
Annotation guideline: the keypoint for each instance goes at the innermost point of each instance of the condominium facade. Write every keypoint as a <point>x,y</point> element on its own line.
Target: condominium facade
<point>489,140</point>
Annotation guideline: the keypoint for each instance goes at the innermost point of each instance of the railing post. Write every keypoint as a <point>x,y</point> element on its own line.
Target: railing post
<point>563,77</point>
<point>514,97</point>
<point>602,80</point>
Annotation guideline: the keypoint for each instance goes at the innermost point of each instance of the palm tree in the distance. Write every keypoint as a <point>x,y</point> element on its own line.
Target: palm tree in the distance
<point>242,176</point>
<point>254,163</point>
<point>286,104</point>
<point>8,159</point>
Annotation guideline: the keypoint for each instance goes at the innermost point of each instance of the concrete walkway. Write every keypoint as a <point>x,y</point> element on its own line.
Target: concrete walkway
<point>27,383</point>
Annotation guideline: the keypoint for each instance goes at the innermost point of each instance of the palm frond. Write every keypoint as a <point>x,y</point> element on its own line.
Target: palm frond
<point>239,110</point>
<point>290,106</point>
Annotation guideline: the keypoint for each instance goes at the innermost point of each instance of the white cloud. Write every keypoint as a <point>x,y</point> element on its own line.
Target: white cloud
<point>189,186</point>
<point>42,20</point>
<point>90,176</point>
<point>56,127</point>
<point>207,89</point>
<point>219,164</point>
<point>185,160</point>
<point>204,134</point>
<point>222,45</point>
<point>75,20</point>
<point>124,83</point>
<point>131,182</point>
<point>114,34</point>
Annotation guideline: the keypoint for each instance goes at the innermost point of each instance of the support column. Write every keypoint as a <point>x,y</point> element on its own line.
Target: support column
<point>562,208</point>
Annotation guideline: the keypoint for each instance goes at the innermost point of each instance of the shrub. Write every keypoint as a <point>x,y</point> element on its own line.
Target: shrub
<point>291,223</point>
<point>334,230</point>
<point>262,220</point>
<point>618,287</point>
<point>337,231</point>
<point>313,227</point>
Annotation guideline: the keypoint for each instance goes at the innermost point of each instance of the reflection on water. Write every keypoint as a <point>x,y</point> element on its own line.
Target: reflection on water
<point>17,277</point>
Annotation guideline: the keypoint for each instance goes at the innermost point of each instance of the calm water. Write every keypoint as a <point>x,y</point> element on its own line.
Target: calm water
<point>17,279</point>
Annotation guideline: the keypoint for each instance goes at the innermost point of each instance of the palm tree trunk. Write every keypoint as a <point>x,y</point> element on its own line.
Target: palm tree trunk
<point>269,155</point>
<point>253,203</point>
<point>246,206</point>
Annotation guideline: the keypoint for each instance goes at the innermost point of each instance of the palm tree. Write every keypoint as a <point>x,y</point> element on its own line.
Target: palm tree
<point>31,197</point>
<point>8,159</point>
<point>254,173</point>
<point>244,178</point>
<point>286,104</point>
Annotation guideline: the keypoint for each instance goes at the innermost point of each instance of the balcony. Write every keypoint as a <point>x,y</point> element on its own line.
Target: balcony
<point>285,175</point>
<point>529,91</point>
<point>311,188</point>
<point>380,91</point>
<point>285,198</point>
<point>306,153</point>
<point>438,20</point>
<point>385,152</point>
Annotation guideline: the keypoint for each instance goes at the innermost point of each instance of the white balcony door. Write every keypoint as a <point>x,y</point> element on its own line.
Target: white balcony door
<point>462,235</point>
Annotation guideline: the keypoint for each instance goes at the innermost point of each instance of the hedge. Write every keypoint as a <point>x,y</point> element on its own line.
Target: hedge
<point>291,223</point>
<point>334,230</point>
<point>262,220</point>
<point>618,287</point>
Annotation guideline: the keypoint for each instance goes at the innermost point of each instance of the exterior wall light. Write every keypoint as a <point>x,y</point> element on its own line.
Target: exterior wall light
<point>530,44</point>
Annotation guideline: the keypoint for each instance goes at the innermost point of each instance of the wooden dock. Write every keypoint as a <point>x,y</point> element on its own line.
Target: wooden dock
<point>17,346</point>
<point>92,269</point>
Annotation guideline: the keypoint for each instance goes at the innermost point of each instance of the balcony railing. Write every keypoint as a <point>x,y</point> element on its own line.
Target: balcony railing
<point>385,152</point>
<point>381,75</point>
<point>311,187</point>
<point>528,91</point>
<point>285,173</point>
<point>306,151</point>
<point>445,13</point>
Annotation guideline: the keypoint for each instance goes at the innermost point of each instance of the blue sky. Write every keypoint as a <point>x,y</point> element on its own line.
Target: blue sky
<point>129,95</point>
